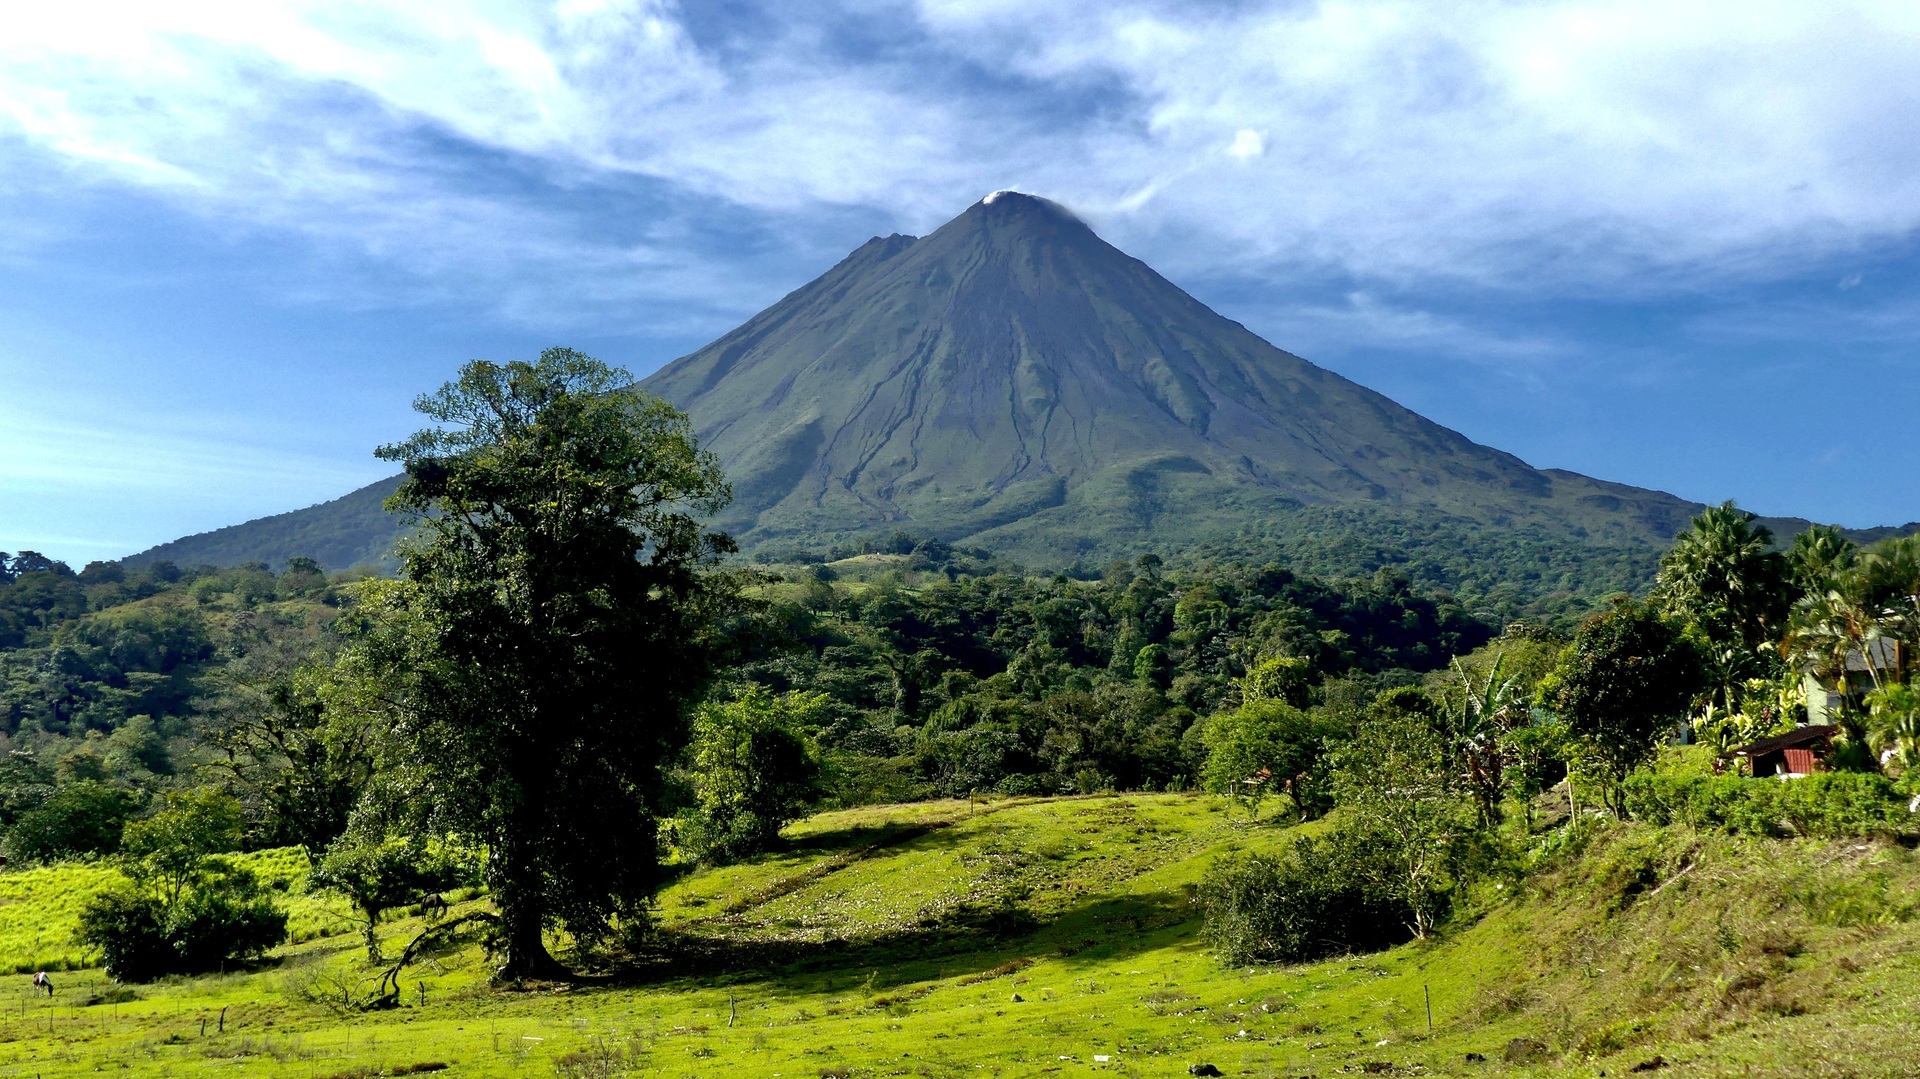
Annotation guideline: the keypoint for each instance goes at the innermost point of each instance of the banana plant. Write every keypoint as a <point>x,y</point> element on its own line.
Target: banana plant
<point>1491,707</point>
<point>1895,711</point>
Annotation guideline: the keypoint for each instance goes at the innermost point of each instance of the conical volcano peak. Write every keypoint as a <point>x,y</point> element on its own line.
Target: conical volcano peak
<point>1009,221</point>
<point>1014,381</point>
<point>1010,205</point>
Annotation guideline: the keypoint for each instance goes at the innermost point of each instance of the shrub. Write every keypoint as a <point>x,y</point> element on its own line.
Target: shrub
<point>1831,805</point>
<point>185,909</point>
<point>126,926</point>
<point>141,938</point>
<point>212,927</point>
<point>1325,896</point>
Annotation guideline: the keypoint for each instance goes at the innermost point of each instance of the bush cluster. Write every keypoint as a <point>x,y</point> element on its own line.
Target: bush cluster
<point>1327,895</point>
<point>1832,805</point>
<point>185,908</point>
<point>753,769</point>
<point>141,938</point>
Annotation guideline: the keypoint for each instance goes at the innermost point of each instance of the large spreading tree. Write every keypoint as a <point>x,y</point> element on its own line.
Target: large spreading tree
<point>560,612</point>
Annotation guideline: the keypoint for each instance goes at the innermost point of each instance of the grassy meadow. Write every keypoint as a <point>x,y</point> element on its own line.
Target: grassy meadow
<point>1057,936</point>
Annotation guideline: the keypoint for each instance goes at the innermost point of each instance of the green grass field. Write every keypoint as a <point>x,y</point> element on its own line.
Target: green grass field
<point>1030,937</point>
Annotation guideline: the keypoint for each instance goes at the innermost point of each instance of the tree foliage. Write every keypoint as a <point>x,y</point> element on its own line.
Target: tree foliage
<point>1626,680</point>
<point>755,769</point>
<point>1269,745</point>
<point>82,817</point>
<point>296,736</point>
<point>183,908</point>
<point>1397,787</point>
<point>377,872</point>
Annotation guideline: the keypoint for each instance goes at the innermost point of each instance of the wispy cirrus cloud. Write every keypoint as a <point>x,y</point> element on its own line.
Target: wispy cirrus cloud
<point>171,474</point>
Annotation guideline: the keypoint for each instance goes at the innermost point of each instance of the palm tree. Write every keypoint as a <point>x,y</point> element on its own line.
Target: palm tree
<point>1723,576</point>
<point>1871,601</point>
<point>1723,569</point>
<point>1889,581</point>
<point>1818,557</point>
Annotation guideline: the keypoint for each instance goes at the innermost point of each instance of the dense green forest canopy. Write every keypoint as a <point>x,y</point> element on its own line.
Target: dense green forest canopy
<point>129,679</point>
<point>1035,684</point>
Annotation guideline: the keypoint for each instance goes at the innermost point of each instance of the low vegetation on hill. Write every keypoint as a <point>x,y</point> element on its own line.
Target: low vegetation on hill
<point>1018,936</point>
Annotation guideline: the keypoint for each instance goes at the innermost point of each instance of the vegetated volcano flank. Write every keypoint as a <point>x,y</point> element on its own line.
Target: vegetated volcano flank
<point>1015,381</point>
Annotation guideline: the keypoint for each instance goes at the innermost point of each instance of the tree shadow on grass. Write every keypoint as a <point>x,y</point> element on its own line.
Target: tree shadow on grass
<point>843,849</point>
<point>940,829</point>
<point>964,939</point>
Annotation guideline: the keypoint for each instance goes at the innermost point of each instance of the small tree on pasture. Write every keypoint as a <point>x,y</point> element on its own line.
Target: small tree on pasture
<point>1628,677</point>
<point>378,872</point>
<point>185,908</point>
<point>1274,736</point>
<point>755,769</point>
<point>1396,783</point>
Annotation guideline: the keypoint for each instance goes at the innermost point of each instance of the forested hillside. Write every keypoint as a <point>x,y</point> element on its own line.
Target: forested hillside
<point>112,683</point>
<point>116,685</point>
<point>352,530</point>
<point>1027,684</point>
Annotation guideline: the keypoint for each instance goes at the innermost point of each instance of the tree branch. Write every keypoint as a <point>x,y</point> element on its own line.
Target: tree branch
<point>387,990</point>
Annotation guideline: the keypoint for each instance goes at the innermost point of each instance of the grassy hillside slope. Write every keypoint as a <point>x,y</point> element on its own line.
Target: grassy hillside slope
<point>1059,937</point>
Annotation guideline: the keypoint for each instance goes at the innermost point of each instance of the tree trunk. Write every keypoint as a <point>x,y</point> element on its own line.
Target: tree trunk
<point>373,933</point>
<point>513,876</point>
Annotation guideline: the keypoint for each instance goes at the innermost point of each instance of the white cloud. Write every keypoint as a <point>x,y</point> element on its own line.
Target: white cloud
<point>1366,322</point>
<point>1570,144</point>
<point>48,456</point>
<point>1594,139</point>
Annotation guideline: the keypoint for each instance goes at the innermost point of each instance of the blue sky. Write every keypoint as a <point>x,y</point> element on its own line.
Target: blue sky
<point>1666,244</point>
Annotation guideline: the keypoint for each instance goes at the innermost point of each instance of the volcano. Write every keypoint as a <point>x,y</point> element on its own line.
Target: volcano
<point>1013,381</point>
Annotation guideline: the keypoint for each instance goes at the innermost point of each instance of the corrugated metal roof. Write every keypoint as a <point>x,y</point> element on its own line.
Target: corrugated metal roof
<point>1799,736</point>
